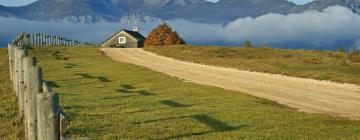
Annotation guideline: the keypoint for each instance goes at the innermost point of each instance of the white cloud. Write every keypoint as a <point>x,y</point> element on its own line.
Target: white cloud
<point>333,26</point>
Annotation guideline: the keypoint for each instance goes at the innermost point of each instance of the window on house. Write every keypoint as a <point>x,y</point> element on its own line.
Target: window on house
<point>122,40</point>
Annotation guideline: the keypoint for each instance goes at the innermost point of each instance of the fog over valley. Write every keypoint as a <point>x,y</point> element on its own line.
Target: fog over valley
<point>328,29</point>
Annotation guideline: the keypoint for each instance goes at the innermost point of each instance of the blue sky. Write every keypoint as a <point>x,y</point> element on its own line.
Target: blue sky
<point>25,2</point>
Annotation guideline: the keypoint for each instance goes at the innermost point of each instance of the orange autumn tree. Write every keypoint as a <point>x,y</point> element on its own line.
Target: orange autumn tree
<point>163,35</point>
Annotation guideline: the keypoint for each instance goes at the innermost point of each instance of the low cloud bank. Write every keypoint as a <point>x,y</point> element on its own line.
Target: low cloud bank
<point>328,29</point>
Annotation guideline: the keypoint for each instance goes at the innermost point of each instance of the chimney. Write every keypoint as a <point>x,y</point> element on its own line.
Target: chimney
<point>136,29</point>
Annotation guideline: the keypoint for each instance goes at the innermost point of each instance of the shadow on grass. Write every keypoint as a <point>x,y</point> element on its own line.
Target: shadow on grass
<point>85,75</point>
<point>203,133</point>
<point>136,111</point>
<point>214,124</point>
<point>163,119</point>
<point>123,91</point>
<point>172,103</point>
<point>117,97</point>
<point>145,93</point>
<point>70,65</point>
<point>127,87</point>
<point>52,84</point>
<point>100,78</point>
<point>103,79</point>
<point>131,89</point>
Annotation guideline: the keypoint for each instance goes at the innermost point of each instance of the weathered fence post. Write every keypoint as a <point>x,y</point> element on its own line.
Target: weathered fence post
<point>64,124</point>
<point>32,42</point>
<point>29,62</point>
<point>16,69</point>
<point>13,62</point>
<point>44,39</point>
<point>49,40</point>
<point>40,39</point>
<point>58,40</point>
<point>22,54</point>
<point>53,40</point>
<point>66,42</point>
<point>45,87</point>
<point>27,39</point>
<point>10,54</point>
<point>34,86</point>
<point>36,39</point>
<point>48,116</point>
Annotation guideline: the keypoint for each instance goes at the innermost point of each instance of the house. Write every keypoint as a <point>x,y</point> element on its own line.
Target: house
<point>125,39</point>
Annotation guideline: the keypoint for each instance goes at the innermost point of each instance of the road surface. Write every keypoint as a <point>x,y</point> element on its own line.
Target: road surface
<point>307,95</point>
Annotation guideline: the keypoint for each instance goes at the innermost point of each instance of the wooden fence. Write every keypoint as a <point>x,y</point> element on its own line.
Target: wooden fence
<point>38,105</point>
<point>42,39</point>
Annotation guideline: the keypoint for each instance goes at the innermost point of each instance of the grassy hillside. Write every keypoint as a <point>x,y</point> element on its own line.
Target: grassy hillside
<point>112,100</point>
<point>322,65</point>
<point>10,125</point>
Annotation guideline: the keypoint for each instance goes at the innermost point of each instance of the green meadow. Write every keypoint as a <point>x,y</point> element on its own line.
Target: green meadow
<point>105,99</point>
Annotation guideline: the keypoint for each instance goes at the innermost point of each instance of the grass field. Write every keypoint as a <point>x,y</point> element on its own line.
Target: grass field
<point>10,124</point>
<point>323,65</point>
<point>110,100</point>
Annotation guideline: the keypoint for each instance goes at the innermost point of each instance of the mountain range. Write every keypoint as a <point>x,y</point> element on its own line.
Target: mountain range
<point>224,11</point>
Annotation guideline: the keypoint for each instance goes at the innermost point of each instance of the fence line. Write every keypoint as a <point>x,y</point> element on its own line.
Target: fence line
<point>42,39</point>
<point>38,106</point>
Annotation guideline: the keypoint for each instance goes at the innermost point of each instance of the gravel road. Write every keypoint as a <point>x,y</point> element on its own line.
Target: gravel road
<point>307,95</point>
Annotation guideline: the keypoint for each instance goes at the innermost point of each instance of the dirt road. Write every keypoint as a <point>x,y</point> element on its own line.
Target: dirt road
<point>305,94</point>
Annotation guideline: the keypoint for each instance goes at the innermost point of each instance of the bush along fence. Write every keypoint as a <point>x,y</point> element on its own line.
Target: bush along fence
<point>38,105</point>
<point>41,39</point>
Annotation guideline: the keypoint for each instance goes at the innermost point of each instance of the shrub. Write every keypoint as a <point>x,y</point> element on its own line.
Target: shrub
<point>248,44</point>
<point>163,35</point>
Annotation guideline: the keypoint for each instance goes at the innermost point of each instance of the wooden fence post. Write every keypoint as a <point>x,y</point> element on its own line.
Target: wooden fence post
<point>32,39</point>
<point>53,40</point>
<point>35,39</point>
<point>64,123</point>
<point>45,87</point>
<point>22,54</point>
<point>48,116</point>
<point>10,61</point>
<point>40,39</point>
<point>48,40</point>
<point>16,69</point>
<point>43,39</point>
<point>59,41</point>
<point>29,62</point>
<point>13,62</point>
<point>34,86</point>
<point>27,39</point>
